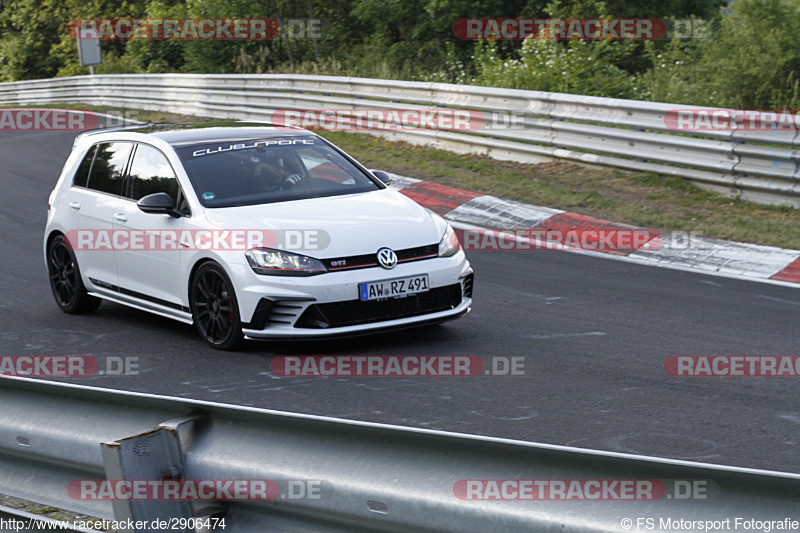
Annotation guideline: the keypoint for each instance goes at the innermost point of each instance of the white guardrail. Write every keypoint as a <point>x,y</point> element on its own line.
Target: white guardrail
<point>759,166</point>
<point>337,475</point>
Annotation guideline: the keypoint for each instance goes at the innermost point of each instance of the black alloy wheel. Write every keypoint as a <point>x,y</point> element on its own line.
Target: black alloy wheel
<point>215,309</point>
<point>65,279</point>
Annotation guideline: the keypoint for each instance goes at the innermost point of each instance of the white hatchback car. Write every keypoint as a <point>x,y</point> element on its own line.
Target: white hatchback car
<point>246,230</point>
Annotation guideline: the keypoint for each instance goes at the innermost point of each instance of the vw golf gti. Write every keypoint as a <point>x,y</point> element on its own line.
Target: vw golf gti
<point>246,230</point>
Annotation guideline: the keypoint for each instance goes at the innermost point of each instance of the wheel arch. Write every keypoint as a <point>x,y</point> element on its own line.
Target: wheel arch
<point>200,262</point>
<point>50,237</point>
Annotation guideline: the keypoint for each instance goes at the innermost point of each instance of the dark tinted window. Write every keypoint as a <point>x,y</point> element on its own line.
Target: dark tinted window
<point>260,171</point>
<point>151,173</point>
<point>109,167</point>
<point>82,175</point>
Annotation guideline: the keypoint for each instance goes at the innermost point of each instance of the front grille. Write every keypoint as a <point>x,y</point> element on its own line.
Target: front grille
<point>421,252</point>
<point>354,312</point>
<point>370,260</point>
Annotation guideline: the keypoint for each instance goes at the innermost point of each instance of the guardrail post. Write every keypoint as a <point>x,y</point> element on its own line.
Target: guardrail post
<point>153,455</point>
<point>796,156</point>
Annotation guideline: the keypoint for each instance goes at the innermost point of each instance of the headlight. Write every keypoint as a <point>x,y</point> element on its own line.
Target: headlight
<point>449,244</point>
<point>280,263</point>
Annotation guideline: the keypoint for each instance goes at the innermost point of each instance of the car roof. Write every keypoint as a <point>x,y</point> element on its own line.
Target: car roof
<point>206,132</point>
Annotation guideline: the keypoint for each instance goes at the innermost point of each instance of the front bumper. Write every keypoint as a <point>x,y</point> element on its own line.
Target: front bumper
<point>282,332</point>
<point>281,307</point>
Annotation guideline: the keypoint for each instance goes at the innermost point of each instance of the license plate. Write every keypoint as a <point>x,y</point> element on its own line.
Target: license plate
<point>393,288</point>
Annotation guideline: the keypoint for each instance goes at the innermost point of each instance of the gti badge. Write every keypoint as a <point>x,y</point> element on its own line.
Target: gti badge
<point>387,258</point>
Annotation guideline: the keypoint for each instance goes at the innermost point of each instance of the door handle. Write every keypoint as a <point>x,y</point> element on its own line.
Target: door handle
<point>122,217</point>
<point>75,205</point>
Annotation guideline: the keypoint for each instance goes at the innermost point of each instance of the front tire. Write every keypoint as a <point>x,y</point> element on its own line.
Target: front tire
<point>215,309</point>
<point>65,279</point>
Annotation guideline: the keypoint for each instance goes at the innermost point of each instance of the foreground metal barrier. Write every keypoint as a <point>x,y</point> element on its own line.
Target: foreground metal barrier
<point>761,166</point>
<point>336,475</point>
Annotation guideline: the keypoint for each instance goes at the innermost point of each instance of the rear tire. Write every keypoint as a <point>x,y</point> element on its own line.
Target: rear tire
<point>65,279</point>
<point>215,309</point>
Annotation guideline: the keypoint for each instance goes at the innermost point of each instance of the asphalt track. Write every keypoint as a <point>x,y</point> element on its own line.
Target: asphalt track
<point>594,334</point>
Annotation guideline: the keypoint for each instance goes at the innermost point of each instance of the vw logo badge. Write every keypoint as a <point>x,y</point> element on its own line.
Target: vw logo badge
<point>387,258</point>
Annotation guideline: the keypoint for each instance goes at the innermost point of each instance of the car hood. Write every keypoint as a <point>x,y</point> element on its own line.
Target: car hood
<point>346,225</point>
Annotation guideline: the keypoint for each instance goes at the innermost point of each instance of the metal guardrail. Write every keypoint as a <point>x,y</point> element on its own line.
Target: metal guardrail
<point>760,166</point>
<point>375,477</point>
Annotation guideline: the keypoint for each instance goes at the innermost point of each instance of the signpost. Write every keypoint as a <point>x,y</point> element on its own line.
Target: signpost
<point>89,48</point>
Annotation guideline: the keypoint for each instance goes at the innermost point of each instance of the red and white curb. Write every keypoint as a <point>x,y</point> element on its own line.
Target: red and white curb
<point>469,210</point>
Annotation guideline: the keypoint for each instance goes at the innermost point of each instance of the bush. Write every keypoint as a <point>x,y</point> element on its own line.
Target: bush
<point>754,61</point>
<point>672,74</point>
<point>577,67</point>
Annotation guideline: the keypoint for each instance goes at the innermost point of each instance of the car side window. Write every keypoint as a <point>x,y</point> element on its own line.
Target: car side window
<point>108,168</point>
<point>82,175</point>
<point>151,173</point>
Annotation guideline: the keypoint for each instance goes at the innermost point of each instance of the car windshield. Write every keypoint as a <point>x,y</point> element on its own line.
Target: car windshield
<point>261,171</point>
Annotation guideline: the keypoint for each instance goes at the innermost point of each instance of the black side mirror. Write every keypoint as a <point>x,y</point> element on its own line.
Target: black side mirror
<point>383,176</point>
<point>158,203</point>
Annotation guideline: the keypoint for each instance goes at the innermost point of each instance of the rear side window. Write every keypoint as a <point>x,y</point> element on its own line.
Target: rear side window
<point>82,175</point>
<point>151,173</point>
<point>108,168</point>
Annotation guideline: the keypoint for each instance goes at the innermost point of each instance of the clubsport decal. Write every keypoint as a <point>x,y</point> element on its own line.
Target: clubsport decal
<point>220,149</point>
